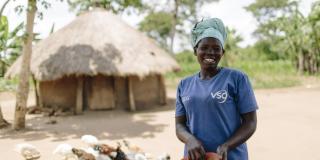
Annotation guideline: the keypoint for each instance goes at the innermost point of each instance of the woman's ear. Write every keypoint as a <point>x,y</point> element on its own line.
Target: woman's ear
<point>195,51</point>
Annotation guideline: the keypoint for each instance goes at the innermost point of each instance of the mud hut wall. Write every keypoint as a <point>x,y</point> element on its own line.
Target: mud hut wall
<point>121,92</point>
<point>101,94</point>
<point>146,91</point>
<point>61,92</point>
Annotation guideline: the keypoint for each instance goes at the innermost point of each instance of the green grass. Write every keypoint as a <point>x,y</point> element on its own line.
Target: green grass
<point>8,85</point>
<point>262,73</point>
<point>269,74</point>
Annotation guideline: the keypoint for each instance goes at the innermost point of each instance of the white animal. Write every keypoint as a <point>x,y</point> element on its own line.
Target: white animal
<point>90,140</point>
<point>92,151</point>
<point>140,156</point>
<point>65,150</point>
<point>28,151</point>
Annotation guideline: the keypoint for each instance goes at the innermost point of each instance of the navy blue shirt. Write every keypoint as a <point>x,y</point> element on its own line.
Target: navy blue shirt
<point>213,108</point>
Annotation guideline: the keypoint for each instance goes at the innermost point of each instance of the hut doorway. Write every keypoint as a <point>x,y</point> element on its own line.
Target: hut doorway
<point>99,93</point>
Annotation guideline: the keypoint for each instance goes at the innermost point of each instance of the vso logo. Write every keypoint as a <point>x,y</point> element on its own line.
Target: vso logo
<point>221,96</point>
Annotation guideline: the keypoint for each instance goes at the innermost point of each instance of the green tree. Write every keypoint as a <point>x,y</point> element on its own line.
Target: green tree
<point>182,12</point>
<point>233,40</point>
<point>10,44</point>
<point>231,47</point>
<point>158,26</point>
<point>189,9</point>
<point>23,86</point>
<point>265,10</point>
<point>24,75</point>
<point>314,38</point>
<point>288,32</point>
<point>3,36</point>
<point>115,6</point>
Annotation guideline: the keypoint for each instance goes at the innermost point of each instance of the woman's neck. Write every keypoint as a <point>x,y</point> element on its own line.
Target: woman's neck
<point>208,73</point>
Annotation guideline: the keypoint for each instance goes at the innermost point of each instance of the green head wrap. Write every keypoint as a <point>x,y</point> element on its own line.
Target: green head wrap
<point>212,27</point>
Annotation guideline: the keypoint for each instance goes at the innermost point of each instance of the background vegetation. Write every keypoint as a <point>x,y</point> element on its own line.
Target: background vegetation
<point>287,47</point>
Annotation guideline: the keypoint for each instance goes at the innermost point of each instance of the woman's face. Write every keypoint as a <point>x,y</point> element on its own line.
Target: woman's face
<point>209,52</point>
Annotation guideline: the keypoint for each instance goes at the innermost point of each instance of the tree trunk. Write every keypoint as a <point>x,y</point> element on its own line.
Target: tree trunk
<point>2,67</point>
<point>23,86</point>
<point>300,63</point>
<point>3,122</point>
<point>174,23</point>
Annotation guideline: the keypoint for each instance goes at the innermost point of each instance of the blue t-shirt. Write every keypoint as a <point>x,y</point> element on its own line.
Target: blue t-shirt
<point>213,108</point>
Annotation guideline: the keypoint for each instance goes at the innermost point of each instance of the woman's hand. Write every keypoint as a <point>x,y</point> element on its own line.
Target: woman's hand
<point>195,149</point>
<point>223,151</point>
<point>241,135</point>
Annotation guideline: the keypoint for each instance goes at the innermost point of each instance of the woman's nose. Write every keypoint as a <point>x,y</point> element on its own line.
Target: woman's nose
<point>210,51</point>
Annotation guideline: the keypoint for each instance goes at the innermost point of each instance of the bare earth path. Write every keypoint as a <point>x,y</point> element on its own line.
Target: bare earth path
<point>288,128</point>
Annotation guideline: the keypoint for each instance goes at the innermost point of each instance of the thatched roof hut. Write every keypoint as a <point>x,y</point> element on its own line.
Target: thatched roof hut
<point>98,56</point>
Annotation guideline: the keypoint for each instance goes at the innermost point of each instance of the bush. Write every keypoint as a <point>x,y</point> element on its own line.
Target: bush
<point>262,73</point>
<point>269,74</point>
<point>8,85</point>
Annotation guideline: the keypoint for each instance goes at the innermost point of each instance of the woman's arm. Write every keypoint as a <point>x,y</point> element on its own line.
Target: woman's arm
<point>242,134</point>
<point>195,149</point>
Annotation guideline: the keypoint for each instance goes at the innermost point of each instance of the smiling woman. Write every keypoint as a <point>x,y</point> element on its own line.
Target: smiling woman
<point>216,107</point>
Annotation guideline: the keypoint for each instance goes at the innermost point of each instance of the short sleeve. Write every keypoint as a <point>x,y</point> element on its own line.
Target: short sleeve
<point>246,101</point>
<point>180,110</point>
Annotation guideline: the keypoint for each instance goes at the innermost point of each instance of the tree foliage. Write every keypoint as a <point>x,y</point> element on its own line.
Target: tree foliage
<point>163,24</point>
<point>190,9</point>
<point>158,26</point>
<point>10,44</point>
<point>11,40</point>
<point>285,33</point>
<point>115,6</point>
<point>231,47</point>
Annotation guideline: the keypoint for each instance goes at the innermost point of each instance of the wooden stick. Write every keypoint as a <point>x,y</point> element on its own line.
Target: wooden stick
<point>79,99</point>
<point>131,96</point>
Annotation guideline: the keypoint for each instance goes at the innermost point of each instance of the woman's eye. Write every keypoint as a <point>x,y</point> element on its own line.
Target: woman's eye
<point>203,48</point>
<point>217,49</point>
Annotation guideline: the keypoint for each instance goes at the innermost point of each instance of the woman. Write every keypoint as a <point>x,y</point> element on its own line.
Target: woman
<point>215,108</point>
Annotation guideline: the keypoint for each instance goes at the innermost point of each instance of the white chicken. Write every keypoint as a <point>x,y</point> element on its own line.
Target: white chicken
<point>97,155</point>
<point>90,140</point>
<point>140,156</point>
<point>65,151</point>
<point>28,151</point>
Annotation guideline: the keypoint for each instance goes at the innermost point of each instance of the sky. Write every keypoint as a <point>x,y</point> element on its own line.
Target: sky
<point>232,13</point>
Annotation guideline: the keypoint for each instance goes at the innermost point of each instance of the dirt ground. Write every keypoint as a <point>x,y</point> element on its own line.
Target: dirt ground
<point>288,127</point>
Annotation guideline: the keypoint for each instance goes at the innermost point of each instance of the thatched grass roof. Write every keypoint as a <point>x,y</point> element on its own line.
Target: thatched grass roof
<point>96,42</point>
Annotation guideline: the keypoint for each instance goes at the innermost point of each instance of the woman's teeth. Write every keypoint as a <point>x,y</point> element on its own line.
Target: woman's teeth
<point>208,60</point>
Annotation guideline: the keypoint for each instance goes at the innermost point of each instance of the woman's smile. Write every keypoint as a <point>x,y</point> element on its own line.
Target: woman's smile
<point>209,61</point>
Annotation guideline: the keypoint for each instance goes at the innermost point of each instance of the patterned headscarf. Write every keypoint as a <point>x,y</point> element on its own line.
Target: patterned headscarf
<point>212,27</point>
